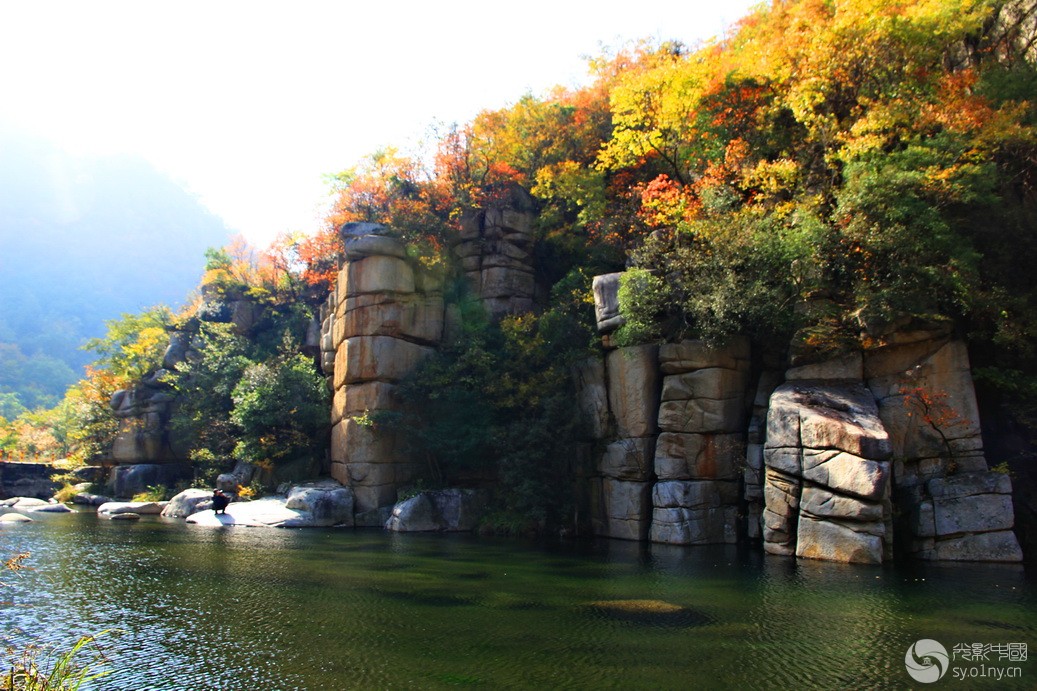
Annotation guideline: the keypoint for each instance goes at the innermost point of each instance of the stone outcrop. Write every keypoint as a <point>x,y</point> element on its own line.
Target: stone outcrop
<point>699,452</point>
<point>321,503</point>
<point>606,302</point>
<point>753,470</point>
<point>27,480</point>
<point>838,459</point>
<point>446,510</point>
<point>239,476</point>
<point>85,498</point>
<point>387,318</point>
<point>188,502</point>
<point>626,466</point>
<point>953,506</point>
<point>895,427</point>
<point>143,413</point>
<point>141,508</point>
<point>14,517</point>
<point>30,505</point>
<point>827,458</point>
<point>495,249</point>
<point>132,479</point>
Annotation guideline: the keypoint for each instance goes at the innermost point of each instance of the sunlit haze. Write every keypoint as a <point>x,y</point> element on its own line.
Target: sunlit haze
<point>248,104</point>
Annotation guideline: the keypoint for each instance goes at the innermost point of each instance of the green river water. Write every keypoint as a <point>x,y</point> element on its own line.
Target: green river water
<point>250,608</point>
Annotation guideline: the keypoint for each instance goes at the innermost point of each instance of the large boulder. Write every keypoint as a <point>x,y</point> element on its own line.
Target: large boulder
<point>14,517</point>
<point>89,499</point>
<point>447,510</point>
<point>24,503</point>
<point>325,502</point>
<point>188,502</point>
<point>51,508</point>
<point>240,476</point>
<point>606,302</point>
<point>827,458</point>
<point>141,508</point>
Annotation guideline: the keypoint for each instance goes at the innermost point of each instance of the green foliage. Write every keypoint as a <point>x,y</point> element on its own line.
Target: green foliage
<point>904,256</point>
<point>134,344</point>
<point>201,421</point>
<point>643,298</point>
<point>207,467</point>
<point>38,668</point>
<point>498,405</point>
<point>67,490</point>
<point>153,493</point>
<point>717,278</point>
<point>281,409</point>
<point>10,406</point>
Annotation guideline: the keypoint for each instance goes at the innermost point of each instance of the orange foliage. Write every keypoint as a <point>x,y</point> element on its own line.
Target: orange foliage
<point>320,254</point>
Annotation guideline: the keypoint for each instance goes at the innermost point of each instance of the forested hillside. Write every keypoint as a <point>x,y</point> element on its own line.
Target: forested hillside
<point>83,240</point>
<point>824,176</point>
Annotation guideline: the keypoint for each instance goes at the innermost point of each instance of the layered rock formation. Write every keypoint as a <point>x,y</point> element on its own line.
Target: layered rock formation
<point>819,466</point>
<point>699,452</point>
<point>143,413</point>
<point>626,466</point>
<point>955,508</point>
<point>388,317</point>
<point>495,249</point>
<point>827,459</point>
<point>27,480</point>
<point>672,460</point>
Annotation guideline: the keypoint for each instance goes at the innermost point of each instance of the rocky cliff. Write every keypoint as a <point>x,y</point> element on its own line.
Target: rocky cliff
<point>844,459</point>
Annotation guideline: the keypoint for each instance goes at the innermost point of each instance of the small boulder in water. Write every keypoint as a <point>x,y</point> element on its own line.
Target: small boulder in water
<point>14,518</point>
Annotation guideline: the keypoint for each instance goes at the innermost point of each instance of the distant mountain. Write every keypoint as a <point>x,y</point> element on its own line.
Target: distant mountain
<point>83,240</point>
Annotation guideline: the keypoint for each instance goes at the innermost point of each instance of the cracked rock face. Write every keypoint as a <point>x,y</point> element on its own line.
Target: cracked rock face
<point>699,450</point>
<point>495,249</point>
<point>384,318</point>
<point>827,458</point>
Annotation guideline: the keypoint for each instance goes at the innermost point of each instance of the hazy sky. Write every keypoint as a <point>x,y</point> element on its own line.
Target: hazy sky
<point>247,104</point>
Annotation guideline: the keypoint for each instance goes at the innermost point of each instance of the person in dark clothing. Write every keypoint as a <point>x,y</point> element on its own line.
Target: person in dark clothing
<point>219,502</point>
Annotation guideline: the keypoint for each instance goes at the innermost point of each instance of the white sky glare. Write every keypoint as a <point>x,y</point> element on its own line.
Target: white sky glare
<point>248,104</point>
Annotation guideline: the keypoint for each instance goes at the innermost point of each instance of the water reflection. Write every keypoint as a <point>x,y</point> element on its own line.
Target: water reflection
<point>258,608</point>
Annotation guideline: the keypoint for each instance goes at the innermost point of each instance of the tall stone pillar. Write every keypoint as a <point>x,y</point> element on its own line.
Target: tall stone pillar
<point>698,456</point>
<point>388,317</point>
<point>495,249</point>
<point>632,376</point>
